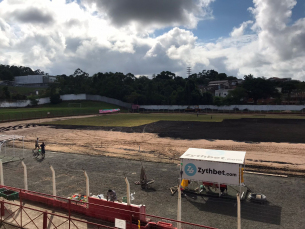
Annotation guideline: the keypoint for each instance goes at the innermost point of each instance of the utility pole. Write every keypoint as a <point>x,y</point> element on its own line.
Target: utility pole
<point>188,70</point>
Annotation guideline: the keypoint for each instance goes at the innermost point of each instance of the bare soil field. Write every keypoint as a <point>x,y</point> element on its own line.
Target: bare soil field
<point>275,146</point>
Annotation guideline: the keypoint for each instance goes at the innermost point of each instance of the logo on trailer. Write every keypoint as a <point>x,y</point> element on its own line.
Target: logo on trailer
<point>190,169</point>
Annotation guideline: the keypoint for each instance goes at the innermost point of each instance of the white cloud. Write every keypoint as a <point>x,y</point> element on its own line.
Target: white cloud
<point>59,37</point>
<point>237,32</point>
<point>273,48</point>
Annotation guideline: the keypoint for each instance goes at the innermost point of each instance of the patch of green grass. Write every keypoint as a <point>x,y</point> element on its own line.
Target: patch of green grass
<point>84,104</point>
<point>135,119</point>
<point>54,110</point>
<point>129,120</point>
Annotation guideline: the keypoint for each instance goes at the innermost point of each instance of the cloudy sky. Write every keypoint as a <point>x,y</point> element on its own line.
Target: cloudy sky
<point>145,37</point>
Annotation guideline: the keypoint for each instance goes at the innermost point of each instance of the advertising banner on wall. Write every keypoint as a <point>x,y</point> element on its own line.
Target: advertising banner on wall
<point>210,171</point>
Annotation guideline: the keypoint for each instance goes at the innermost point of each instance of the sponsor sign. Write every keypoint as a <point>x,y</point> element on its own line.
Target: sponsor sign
<point>209,171</point>
<point>106,111</point>
<point>120,223</point>
<point>236,157</point>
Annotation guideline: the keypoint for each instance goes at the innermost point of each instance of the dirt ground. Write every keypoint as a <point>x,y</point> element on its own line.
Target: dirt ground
<point>275,146</point>
<point>285,207</point>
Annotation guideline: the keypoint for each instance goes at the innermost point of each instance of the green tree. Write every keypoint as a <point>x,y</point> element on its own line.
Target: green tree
<point>258,88</point>
<point>287,88</point>
<point>6,93</point>
<point>55,98</point>
<point>6,75</point>
<point>207,98</point>
<point>134,98</point>
<point>218,101</point>
<point>33,101</point>
<point>237,96</point>
<point>301,91</point>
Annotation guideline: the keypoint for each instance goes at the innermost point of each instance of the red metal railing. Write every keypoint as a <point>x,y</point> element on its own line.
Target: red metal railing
<point>10,217</point>
<point>135,216</point>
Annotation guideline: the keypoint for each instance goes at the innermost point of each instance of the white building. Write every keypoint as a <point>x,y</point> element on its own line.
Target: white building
<point>222,92</point>
<point>34,80</point>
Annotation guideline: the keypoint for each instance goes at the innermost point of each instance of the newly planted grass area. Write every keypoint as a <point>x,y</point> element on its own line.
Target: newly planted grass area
<point>138,119</point>
<point>130,120</point>
<point>54,110</point>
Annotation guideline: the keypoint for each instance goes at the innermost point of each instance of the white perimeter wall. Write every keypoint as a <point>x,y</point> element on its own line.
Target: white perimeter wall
<point>73,97</point>
<point>226,108</point>
<point>24,103</point>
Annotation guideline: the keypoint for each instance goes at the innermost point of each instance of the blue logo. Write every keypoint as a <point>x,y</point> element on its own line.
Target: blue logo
<point>190,169</point>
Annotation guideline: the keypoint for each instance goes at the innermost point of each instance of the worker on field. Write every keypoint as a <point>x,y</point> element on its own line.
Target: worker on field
<point>43,149</point>
<point>111,195</point>
<point>184,184</point>
<point>37,144</point>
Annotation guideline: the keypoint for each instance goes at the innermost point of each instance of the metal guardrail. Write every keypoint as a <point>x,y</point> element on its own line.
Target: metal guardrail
<point>150,222</point>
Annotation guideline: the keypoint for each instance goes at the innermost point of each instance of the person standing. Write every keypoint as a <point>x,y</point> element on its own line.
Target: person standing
<point>43,149</point>
<point>111,195</point>
<point>37,144</point>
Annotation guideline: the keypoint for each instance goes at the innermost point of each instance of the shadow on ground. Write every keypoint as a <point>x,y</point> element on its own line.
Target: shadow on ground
<point>265,213</point>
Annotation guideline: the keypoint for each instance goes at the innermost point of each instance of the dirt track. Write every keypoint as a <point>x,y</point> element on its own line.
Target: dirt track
<point>271,145</point>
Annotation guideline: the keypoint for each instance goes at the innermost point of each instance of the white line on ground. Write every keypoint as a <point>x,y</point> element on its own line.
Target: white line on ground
<point>267,174</point>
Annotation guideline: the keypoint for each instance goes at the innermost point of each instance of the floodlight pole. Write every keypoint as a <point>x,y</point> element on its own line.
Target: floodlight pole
<point>25,176</point>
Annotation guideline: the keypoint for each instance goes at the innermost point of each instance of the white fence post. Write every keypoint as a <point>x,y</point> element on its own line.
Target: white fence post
<point>1,171</point>
<point>238,211</point>
<point>128,191</point>
<point>25,176</point>
<point>54,182</point>
<point>179,207</point>
<point>87,184</point>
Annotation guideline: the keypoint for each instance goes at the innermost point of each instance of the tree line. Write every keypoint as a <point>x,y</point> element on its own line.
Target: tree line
<point>166,88</point>
<point>7,72</point>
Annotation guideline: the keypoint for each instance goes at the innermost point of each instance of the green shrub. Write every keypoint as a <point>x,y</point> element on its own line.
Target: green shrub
<point>55,98</point>
<point>33,101</point>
